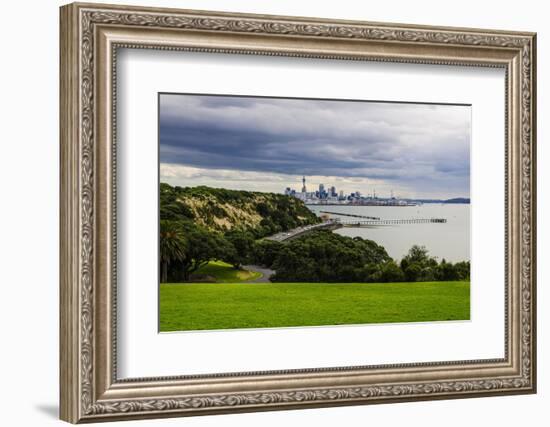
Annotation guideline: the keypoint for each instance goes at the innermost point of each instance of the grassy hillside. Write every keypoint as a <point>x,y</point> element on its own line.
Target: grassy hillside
<point>233,306</point>
<point>222,210</point>
<point>221,272</point>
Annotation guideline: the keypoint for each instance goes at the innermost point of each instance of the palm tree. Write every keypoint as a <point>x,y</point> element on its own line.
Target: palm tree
<point>172,246</point>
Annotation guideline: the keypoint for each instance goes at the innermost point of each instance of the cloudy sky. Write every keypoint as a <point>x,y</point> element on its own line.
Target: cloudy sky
<point>267,144</point>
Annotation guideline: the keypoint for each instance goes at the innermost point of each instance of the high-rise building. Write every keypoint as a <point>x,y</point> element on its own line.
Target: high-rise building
<point>322,192</point>
<point>333,191</point>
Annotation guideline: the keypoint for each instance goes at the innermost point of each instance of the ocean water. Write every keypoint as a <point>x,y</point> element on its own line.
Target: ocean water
<point>450,240</point>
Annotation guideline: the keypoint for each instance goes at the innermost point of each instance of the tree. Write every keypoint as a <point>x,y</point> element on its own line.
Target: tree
<point>369,273</point>
<point>203,246</point>
<point>447,271</point>
<point>418,265</point>
<point>265,252</point>
<point>172,246</point>
<point>391,272</point>
<point>243,247</point>
<point>196,246</point>
<point>323,256</point>
<point>463,270</point>
<point>263,209</point>
<point>170,207</point>
<point>418,254</point>
<point>291,267</point>
<point>412,271</point>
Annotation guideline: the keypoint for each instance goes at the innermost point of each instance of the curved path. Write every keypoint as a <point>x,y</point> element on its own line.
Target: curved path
<point>296,232</point>
<point>265,272</point>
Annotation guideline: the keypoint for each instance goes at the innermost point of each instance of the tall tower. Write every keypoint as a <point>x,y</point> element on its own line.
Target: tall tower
<point>304,184</point>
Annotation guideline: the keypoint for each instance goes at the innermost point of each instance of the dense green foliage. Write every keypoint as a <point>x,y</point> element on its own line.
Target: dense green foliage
<point>419,266</point>
<point>322,256</point>
<point>172,247</point>
<point>199,225</point>
<point>198,245</point>
<point>229,306</point>
<point>266,252</point>
<point>242,243</point>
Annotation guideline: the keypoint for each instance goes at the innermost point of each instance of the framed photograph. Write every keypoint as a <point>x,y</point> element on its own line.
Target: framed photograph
<point>231,220</point>
<point>266,212</point>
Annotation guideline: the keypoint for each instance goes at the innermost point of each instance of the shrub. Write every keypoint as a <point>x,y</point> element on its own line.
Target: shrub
<point>265,252</point>
<point>391,272</point>
<point>327,257</point>
<point>412,271</point>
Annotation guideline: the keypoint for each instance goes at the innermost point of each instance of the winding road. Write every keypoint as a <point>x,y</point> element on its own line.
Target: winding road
<point>266,273</point>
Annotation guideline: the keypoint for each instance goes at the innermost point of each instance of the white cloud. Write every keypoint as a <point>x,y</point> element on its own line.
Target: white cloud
<point>188,176</point>
<point>419,150</point>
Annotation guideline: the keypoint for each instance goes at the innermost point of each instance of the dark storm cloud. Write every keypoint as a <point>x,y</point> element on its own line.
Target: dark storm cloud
<point>410,144</point>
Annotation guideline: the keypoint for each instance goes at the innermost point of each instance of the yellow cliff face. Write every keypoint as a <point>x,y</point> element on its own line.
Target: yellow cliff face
<point>209,213</point>
<point>222,210</point>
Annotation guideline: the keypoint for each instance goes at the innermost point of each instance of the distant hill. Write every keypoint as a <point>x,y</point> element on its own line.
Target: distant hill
<point>457,200</point>
<point>450,201</point>
<point>221,210</point>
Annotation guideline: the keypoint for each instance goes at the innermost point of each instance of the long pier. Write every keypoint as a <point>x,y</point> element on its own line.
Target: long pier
<point>333,224</point>
<point>370,223</point>
<point>352,215</point>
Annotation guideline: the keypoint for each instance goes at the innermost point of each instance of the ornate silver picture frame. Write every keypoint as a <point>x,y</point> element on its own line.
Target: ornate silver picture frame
<point>91,35</point>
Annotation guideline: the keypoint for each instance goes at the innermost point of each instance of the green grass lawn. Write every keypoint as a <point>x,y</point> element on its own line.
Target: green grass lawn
<point>225,273</point>
<point>200,306</point>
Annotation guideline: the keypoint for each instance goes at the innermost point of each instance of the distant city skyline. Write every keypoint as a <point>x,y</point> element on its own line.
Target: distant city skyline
<point>322,192</point>
<point>269,144</point>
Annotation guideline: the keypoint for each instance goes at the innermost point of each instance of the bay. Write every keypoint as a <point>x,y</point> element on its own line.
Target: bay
<point>449,241</point>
